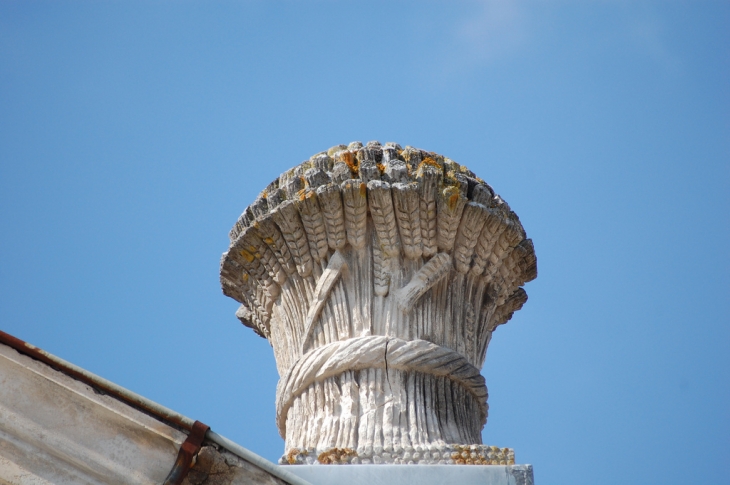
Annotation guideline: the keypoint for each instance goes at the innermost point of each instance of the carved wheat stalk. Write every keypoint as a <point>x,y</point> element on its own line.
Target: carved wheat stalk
<point>381,268</point>
<point>381,210</point>
<point>243,255</point>
<point>407,212</point>
<point>259,316</point>
<point>472,222</point>
<point>429,274</point>
<point>287,218</point>
<point>493,227</point>
<point>528,262</point>
<point>335,267</point>
<point>504,312</point>
<point>269,232</point>
<point>519,267</point>
<point>330,201</point>
<point>354,198</point>
<point>261,251</point>
<point>429,179</point>
<point>450,204</point>
<point>506,242</point>
<point>313,223</point>
<point>230,272</point>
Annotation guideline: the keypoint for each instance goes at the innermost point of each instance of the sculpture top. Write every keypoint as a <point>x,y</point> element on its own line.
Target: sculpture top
<point>376,257</point>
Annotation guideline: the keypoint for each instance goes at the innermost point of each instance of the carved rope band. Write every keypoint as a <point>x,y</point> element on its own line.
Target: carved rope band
<point>376,352</point>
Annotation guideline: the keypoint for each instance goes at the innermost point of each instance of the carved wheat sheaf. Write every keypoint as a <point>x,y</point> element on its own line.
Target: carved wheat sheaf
<point>379,274</point>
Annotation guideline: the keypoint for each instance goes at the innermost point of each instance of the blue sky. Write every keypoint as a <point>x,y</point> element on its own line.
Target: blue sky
<point>132,135</point>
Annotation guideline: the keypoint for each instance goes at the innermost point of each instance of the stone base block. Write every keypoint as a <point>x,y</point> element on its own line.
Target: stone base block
<point>415,474</point>
<point>434,454</point>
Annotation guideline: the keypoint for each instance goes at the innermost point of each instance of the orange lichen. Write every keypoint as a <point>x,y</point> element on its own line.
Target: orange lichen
<point>363,189</point>
<point>246,255</point>
<point>425,163</point>
<point>453,200</point>
<point>452,196</point>
<point>291,457</point>
<point>429,161</point>
<point>336,455</point>
<point>337,148</point>
<point>349,158</point>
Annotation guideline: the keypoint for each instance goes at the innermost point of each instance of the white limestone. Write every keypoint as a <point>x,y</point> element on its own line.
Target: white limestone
<point>417,475</point>
<point>379,274</point>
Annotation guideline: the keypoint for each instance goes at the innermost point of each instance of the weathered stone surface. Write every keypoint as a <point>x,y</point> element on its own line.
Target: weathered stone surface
<point>219,467</point>
<point>379,277</point>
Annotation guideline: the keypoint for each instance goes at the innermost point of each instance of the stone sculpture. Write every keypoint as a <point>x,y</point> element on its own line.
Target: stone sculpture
<point>378,274</point>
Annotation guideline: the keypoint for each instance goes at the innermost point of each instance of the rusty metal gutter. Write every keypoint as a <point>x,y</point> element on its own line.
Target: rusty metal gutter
<point>186,455</point>
<point>161,413</point>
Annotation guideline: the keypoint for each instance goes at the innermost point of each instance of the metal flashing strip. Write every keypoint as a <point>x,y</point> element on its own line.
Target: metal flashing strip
<point>158,411</point>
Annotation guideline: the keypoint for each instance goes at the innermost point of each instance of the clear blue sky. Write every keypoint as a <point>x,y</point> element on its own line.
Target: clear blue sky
<point>132,135</point>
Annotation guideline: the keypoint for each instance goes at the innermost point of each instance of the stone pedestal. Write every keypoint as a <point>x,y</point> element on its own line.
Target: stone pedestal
<point>378,274</point>
<point>416,475</point>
